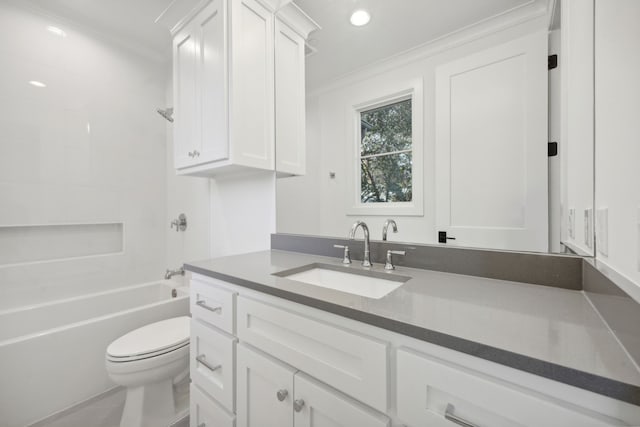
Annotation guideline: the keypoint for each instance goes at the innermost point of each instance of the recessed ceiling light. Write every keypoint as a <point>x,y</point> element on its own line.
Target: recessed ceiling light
<point>37,83</point>
<point>57,31</point>
<point>360,18</point>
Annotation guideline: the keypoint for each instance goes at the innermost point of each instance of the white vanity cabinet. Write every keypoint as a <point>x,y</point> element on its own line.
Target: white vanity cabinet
<point>300,366</point>
<point>274,394</point>
<point>235,63</point>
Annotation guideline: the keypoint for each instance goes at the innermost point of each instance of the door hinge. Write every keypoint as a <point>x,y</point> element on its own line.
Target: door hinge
<point>552,149</point>
<point>442,237</point>
<point>552,61</point>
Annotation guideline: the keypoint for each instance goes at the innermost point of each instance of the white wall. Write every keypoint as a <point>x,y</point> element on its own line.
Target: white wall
<point>617,97</point>
<point>577,135</point>
<point>243,213</point>
<point>54,169</point>
<point>326,129</point>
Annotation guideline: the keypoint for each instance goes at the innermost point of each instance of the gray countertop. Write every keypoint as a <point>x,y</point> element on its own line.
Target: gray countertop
<point>552,332</point>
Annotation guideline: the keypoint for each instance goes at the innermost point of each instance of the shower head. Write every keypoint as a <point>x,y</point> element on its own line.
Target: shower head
<point>167,113</point>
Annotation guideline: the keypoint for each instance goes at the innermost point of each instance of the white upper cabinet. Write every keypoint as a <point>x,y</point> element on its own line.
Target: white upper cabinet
<point>239,88</point>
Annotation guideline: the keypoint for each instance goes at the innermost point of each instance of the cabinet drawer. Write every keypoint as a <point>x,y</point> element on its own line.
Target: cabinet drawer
<point>212,363</point>
<point>346,360</point>
<point>427,386</point>
<point>213,304</point>
<point>204,412</point>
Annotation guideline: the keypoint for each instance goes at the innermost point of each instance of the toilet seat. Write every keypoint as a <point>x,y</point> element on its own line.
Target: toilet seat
<point>149,341</point>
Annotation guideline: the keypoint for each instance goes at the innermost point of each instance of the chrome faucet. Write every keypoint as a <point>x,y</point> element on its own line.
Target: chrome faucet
<point>366,260</point>
<point>177,272</point>
<point>386,225</point>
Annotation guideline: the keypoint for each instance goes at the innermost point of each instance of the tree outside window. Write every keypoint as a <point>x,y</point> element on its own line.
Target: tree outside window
<point>385,153</point>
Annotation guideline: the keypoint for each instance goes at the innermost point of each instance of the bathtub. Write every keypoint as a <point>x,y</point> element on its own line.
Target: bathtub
<point>52,354</point>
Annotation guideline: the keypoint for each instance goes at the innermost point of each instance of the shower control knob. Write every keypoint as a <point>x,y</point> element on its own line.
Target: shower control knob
<point>282,394</point>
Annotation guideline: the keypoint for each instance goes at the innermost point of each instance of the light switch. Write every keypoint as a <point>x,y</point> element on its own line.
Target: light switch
<point>572,223</point>
<point>588,227</point>
<point>602,231</point>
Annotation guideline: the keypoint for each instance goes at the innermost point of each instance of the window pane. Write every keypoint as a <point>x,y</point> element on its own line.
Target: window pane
<point>386,178</point>
<point>386,129</point>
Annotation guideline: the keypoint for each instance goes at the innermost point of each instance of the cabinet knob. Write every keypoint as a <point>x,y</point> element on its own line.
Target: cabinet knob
<point>298,404</point>
<point>282,394</point>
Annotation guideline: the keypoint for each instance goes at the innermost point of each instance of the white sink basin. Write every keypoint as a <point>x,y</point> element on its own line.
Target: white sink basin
<point>365,283</point>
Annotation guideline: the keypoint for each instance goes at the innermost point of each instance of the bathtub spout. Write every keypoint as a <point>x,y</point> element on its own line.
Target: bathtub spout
<point>170,273</point>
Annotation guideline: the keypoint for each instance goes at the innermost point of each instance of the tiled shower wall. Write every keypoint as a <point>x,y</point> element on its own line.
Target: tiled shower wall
<point>88,148</point>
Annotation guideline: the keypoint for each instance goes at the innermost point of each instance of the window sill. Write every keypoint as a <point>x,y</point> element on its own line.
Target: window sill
<point>385,209</point>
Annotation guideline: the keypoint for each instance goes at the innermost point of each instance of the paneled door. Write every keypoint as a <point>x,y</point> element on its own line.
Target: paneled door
<point>212,82</point>
<point>316,405</point>
<point>491,147</point>
<point>265,390</point>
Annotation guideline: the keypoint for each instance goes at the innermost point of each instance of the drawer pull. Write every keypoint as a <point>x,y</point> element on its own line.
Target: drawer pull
<point>201,359</point>
<point>298,404</point>
<point>448,414</point>
<point>202,303</point>
<point>282,394</point>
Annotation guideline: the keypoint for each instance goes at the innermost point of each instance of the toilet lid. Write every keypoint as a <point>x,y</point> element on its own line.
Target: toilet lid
<point>154,338</point>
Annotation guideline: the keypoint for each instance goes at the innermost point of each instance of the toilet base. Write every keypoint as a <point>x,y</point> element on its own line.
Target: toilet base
<point>150,405</point>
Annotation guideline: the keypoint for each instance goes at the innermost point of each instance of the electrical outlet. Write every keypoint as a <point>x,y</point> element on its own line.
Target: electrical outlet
<point>588,227</point>
<point>602,231</point>
<point>572,223</point>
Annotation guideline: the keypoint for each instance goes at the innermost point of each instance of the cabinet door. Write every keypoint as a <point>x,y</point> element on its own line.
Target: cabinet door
<point>290,101</point>
<point>210,27</point>
<point>252,85</point>
<point>186,137</point>
<point>317,405</point>
<point>264,390</point>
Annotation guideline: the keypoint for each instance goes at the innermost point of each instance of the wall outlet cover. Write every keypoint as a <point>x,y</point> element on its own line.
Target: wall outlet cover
<point>588,227</point>
<point>571,225</point>
<point>602,231</point>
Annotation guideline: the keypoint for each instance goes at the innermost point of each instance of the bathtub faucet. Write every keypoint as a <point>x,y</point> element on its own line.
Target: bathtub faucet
<point>170,273</point>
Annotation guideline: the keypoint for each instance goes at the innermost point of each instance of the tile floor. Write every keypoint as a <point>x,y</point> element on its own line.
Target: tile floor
<point>105,410</point>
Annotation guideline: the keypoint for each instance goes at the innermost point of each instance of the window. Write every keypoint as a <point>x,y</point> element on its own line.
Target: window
<point>386,151</point>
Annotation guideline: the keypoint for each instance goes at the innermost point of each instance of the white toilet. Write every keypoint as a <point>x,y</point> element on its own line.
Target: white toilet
<point>146,361</point>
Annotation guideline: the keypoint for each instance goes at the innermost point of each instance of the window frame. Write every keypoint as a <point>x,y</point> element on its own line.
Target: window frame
<point>382,97</point>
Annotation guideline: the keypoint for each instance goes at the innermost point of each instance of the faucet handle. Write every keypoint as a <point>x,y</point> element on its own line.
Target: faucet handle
<point>346,259</point>
<point>388,265</point>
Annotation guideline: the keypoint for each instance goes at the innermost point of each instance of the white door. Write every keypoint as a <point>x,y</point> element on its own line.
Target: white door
<point>185,97</point>
<point>316,405</point>
<point>491,147</point>
<point>212,82</point>
<point>264,390</point>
